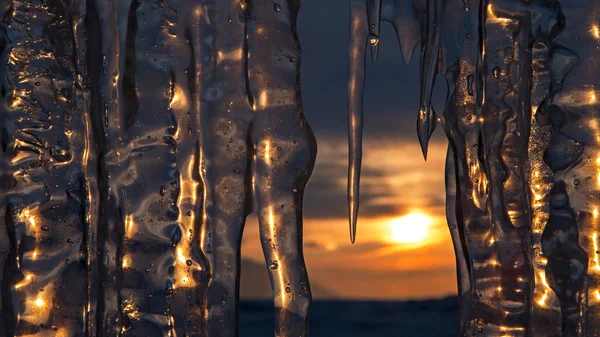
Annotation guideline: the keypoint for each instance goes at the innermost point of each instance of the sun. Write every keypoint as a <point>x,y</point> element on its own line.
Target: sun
<point>411,228</point>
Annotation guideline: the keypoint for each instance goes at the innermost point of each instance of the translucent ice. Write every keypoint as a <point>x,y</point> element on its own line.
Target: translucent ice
<point>136,138</point>
<point>522,161</point>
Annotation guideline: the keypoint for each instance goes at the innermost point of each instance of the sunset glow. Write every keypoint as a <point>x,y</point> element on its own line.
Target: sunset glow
<point>412,228</point>
<point>403,249</point>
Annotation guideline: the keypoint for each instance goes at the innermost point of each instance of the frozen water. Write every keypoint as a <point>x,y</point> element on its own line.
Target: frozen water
<point>523,165</point>
<point>136,138</point>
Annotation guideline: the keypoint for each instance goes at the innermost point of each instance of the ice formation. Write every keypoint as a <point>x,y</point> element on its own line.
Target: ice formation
<point>523,165</point>
<point>137,135</point>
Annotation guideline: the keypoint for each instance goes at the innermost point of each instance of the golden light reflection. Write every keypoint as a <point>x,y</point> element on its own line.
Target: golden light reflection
<point>595,31</point>
<point>187,199</point>
<point>275,265</point>
<point>178,100</point>
<point>129,226</point>
<point>267,150</point>
<point>598,170</point>
<point>547,289</point>
<point>233,55</point>
<point>411,228</point>
<point>263,99</point>
<point>38,307</point>
<point>130,310</point>
<point>492,16</point>
<point>595,260</point>
<point>60,332</point>
<point>20,155</point>
<point>28,216</point>
<point>180,257</point>
<point>27,280</point>
<point>39,302</point>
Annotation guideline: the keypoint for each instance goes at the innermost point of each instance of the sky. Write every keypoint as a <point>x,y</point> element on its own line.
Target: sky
<point>403,248</point>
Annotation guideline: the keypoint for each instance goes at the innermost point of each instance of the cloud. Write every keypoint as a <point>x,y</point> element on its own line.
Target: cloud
<point>323,245</point>
<point>392,90</point>
<point>395,179</point>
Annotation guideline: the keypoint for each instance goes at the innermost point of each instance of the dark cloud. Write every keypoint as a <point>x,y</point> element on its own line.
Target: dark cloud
<point>392,90</point>
<point>326,197</point>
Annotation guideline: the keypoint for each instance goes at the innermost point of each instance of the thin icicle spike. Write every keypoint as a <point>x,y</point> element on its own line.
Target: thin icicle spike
<point>365,21</point>
<point>429,60</point>
<point>356,82</point>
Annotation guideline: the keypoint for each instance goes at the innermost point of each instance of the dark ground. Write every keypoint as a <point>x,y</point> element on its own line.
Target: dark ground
<point>361,318</point>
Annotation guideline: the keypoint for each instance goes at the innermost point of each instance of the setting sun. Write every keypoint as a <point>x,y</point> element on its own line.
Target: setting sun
<point>411,228</point>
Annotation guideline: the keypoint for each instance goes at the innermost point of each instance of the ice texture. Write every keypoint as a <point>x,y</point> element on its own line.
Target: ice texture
<point>137,135</point>
<point>523,167</point>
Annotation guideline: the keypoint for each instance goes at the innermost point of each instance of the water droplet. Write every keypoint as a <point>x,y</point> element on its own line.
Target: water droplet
<point>373,40</point>
<point>288,290</point>
<point>45,228</point>
<point>274,265</point>
<point>277,7</point>
<point>497,72</point>
<point>162,191</point>
<point>188,262</point>
<point>577,182</point>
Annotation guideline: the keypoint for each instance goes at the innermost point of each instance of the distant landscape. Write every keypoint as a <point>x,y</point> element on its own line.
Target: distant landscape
<point>335,317</point>
<point>430,318</point>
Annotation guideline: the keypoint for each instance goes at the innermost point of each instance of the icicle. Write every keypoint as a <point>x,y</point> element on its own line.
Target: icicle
<point>453,216</point>
<point>48,170</point>
<point>356,82</point>
<point>284,152</point>
<point>226,109</point>
<point>374,19</point>
<point>429,55</point>
<point>404,17</point>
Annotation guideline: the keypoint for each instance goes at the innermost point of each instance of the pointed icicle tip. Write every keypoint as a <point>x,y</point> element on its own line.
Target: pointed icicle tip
<point>424,130</point>
<point>359,38</point>
<point>374,41</point>
<point>429,63</point>
<point>353,222</point>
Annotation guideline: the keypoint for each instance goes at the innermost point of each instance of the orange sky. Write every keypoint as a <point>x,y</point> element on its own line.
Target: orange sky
<point>396,181</point>
<point>378,266</point>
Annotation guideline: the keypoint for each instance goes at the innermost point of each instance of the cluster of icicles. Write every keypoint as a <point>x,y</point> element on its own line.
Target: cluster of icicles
<point>136,136</point>
<point>523,164</point>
